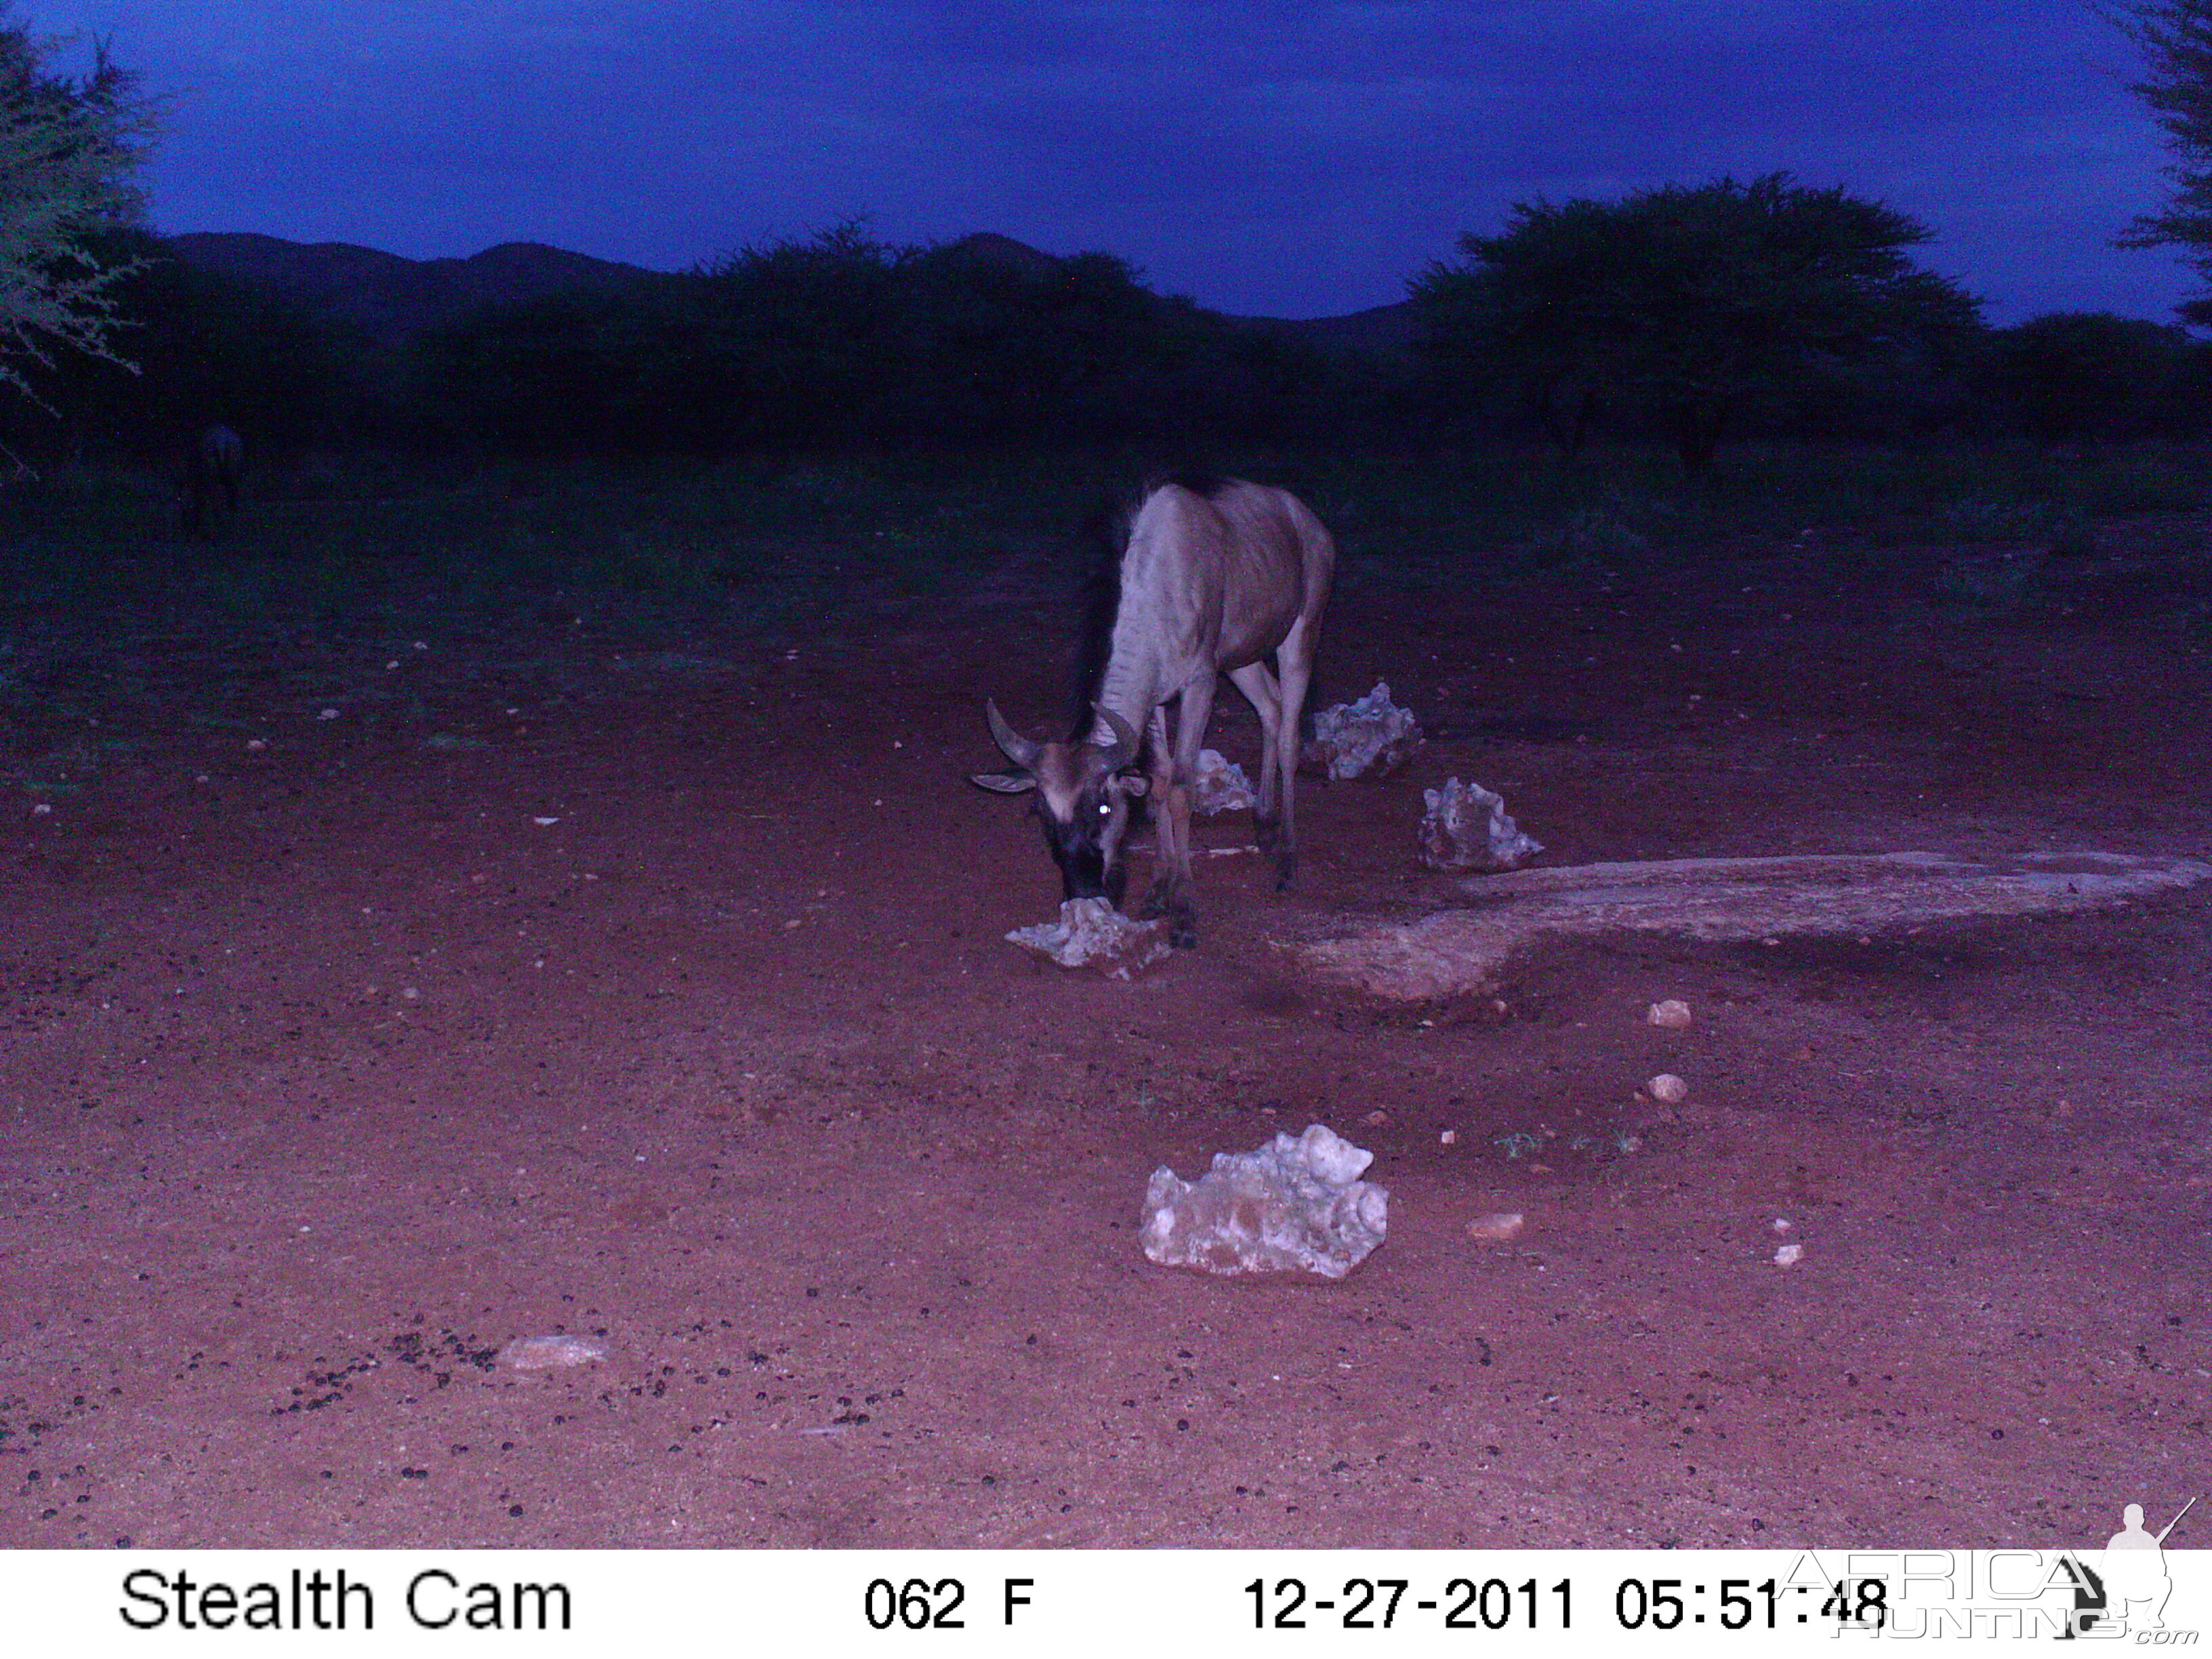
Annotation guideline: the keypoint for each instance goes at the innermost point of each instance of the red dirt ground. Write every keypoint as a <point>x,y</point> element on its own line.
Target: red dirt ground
<point>328,1070</point>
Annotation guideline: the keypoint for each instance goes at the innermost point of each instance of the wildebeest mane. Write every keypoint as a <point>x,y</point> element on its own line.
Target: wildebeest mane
<point>1105,539</point>
<point>1201,483</point>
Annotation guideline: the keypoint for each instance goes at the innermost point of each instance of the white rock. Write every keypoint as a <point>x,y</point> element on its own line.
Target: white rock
<point>1673,1013</point>
<point>1220,786</point>
<point>538,1353</point>
<point>1467,826</point>
<point>1667,1089</point>
<point>1091,933</point>
<point>1789,1255</point>
<point>1291,1206</point>
<point>1372,735</point>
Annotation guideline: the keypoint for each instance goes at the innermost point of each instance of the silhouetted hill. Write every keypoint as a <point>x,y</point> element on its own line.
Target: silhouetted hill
<point>389,297</point>
<point>1379,328</point>
<point>386,294</point>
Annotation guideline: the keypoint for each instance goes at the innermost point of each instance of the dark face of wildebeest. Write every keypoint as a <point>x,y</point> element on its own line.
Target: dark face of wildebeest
<point>1080,792</point>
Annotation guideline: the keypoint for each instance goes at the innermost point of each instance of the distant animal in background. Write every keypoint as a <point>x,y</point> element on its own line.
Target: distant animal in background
<point>207,497</point>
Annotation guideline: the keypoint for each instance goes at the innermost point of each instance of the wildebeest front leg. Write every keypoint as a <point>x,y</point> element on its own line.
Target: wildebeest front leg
<point>1172,772</point>
<point>1163,776</point>
<point>1192,709</point>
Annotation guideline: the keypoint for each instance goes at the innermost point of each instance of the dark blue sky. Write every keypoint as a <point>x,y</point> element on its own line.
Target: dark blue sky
<point>1294,160</point>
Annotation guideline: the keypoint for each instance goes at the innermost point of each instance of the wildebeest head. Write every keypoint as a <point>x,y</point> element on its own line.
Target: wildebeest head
<point>1081,795</point>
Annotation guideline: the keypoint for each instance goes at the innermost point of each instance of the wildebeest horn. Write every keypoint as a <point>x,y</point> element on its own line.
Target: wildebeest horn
<point>1016,747</point>
<point>1124,748</point>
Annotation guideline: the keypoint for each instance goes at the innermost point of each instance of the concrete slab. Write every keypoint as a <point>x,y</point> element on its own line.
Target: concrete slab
<point>1458,951</point>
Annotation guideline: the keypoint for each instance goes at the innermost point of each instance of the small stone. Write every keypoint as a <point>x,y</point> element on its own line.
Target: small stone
<point>538,1353</point>
<point>1375,1120</point>
<point>1789,1255</point>
<point>1450,1137</point>
<point>1497,1227</point>
<point>1667,1089</point>
<point>1673,1012</point>
<point>1783,1224</point>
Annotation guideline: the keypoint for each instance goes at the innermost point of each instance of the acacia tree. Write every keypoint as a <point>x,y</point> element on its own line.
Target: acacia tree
<point>2175,38</point>
<point>1694,303</point>
<point>2074,374</point>
<point>70,147</point>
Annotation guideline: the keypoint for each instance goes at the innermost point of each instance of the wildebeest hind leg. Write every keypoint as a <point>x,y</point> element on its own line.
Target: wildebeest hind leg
<point>1295,660</point>
<point>1258,684</point>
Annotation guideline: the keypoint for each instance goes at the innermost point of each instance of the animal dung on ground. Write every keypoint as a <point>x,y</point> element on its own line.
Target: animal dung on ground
<point>539,1353</point>
<point>1667,1089</point>
<point>1372,735</point>
<point>1498,1227</point>
<point>1467,826</point>
<point>1673,1013</point>
<point>1220,786</point>
<point>1091,933</point>
<point>1296,1204</point>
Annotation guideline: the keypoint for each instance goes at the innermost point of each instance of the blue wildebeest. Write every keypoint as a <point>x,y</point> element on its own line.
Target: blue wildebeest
<point>207,496</point>
<point>1206,576</point>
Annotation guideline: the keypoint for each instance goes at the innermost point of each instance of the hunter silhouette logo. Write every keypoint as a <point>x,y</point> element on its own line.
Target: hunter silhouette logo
<point>2128,1589</point>
<point>2134,1570</point>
